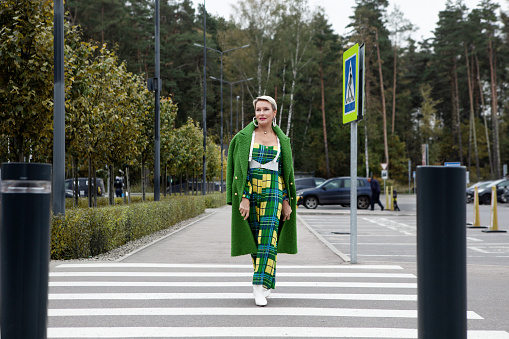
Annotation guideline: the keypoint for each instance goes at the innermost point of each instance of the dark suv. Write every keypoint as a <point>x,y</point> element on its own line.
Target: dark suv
<point>335,191</point>
<point>83,187</point>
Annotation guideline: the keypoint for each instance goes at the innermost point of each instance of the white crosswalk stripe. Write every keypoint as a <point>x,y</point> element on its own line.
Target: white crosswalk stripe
<point>116,300</point>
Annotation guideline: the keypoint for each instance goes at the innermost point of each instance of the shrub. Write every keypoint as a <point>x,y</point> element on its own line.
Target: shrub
<point>86,232</point>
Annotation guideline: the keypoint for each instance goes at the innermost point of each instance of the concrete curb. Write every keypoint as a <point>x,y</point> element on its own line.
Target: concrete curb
<point>340,254</point>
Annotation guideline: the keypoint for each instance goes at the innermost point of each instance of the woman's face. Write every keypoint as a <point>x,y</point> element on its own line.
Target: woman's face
<point>264,113</point>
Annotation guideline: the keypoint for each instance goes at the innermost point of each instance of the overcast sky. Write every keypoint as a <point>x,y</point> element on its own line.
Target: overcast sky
<point>423,14</point>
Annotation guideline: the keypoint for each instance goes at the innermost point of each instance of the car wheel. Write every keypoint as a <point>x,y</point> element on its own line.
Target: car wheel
<point>311,202</point>
<point>486,199</point>
<point>363,202</point>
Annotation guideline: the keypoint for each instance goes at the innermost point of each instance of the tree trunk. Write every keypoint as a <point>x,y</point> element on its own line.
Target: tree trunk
<point>366,117</point>
<point>165,181</point>
<point>386,147</point>
<point>268,74</point>
<point>324,123</point>
<point>128,183</point>
<point>458,118</point>
<point>283,96</point>
<point>290,110</point>
<point>472,115</point>
<point>89,194</point>
<point>394,91</point>
<point>484,115</point>
<point>95,185</point>
<point>307,122</point>
<point>143,179</point>
<point>494,112</point>
<point>124,188</point>
<point>111,191</point>
<point>76,183</point>
<point>19,147</point>
<point>454,120</point>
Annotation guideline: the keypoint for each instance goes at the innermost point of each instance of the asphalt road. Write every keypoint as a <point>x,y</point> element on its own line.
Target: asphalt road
<point>390,237</point>
<point>186,285</point>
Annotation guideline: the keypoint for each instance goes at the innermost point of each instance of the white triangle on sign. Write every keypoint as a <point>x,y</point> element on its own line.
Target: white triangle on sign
<point>384,165</point>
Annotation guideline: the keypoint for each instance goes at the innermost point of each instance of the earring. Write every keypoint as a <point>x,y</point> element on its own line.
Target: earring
<point>255,122</point>
<point>274,122</point>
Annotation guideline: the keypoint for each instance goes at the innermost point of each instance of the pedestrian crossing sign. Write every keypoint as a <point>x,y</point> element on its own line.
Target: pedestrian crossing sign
<point>353,83</point>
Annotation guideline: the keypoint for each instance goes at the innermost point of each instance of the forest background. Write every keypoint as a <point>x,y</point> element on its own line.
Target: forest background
<point>449,91</point>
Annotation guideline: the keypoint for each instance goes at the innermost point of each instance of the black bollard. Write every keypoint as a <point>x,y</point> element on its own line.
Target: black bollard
<point>441,252</point>
<point>24,249</point>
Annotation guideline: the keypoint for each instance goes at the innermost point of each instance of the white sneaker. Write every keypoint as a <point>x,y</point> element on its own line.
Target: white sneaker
<point>259,295</point>
<point>266,292</point>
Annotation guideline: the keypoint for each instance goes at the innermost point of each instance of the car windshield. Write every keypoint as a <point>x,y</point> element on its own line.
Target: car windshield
<point>484,184</point>
<point>494,183</point>
<point>332,184</point>
<point>479,184</point>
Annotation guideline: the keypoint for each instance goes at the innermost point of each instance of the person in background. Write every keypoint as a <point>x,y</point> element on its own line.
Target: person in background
<point>118,187</point>
<point>260,186</point>
<point>375,193</point>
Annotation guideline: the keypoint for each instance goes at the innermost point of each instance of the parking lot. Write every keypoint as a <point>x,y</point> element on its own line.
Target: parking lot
<point>391,236</point>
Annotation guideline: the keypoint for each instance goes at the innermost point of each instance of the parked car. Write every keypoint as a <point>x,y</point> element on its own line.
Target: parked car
<point>471,190</point>
<point>485,192</point>
<point>83,187</point>
<point>311,182</point>
<point>335,191</point>
<point>505,195</point>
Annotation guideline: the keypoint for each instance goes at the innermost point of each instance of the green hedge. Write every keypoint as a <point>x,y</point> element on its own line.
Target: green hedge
<point>87,232</point>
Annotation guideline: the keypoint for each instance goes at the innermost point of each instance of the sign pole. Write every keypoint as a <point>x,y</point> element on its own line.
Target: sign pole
<point>353,109</point>
<point>353,192</point>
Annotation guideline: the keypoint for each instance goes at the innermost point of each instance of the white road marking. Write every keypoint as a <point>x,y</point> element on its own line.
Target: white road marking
<point>334,284</point>
<point>183,296</point>
<point>478,249</point>
<point>374,243</point>
<point>238,332</point>
<point>393,225</point>
<point>241,311</point>
<point>231,274</point>
<point>154,265</point>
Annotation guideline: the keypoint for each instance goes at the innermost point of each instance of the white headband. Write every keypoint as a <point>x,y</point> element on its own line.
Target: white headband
<point>266,98</point>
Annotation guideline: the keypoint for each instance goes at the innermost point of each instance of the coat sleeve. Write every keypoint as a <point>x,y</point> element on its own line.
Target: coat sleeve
<point>229,172</point>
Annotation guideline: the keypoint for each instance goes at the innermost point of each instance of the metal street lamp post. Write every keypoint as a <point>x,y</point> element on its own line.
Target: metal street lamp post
<point>221,53</point>
<point>237,120</point>
<point>231,105</point>
<point>157,139</point>
<point>58,111</point>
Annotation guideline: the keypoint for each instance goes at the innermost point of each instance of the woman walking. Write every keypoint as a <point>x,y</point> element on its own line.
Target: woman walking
<point>260,187</point>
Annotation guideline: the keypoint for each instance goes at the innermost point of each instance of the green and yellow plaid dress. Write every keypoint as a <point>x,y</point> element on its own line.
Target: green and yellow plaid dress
<point>266,191</point>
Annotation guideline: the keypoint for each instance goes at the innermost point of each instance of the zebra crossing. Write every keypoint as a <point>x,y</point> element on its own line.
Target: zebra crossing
<point>145,300</point>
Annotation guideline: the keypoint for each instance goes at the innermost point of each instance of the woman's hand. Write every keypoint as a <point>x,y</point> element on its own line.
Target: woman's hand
<point>244,208</point>
<point>286,211</point>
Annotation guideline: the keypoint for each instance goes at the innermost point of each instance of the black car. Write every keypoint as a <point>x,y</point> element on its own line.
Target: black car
<point>83,187</point>
<point>485,192</point>
<point>335,191</point>
<point>311,182</point>
<point>471,190</point>
<point>505,196</point>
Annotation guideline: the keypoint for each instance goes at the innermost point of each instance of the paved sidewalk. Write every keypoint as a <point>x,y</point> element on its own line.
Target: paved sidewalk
<point>208,241</point>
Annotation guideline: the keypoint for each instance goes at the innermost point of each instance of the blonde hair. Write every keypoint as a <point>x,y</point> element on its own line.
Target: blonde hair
<point>266,98</point>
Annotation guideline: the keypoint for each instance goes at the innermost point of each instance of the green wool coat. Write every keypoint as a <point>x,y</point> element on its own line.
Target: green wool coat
<point>237,166</point>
